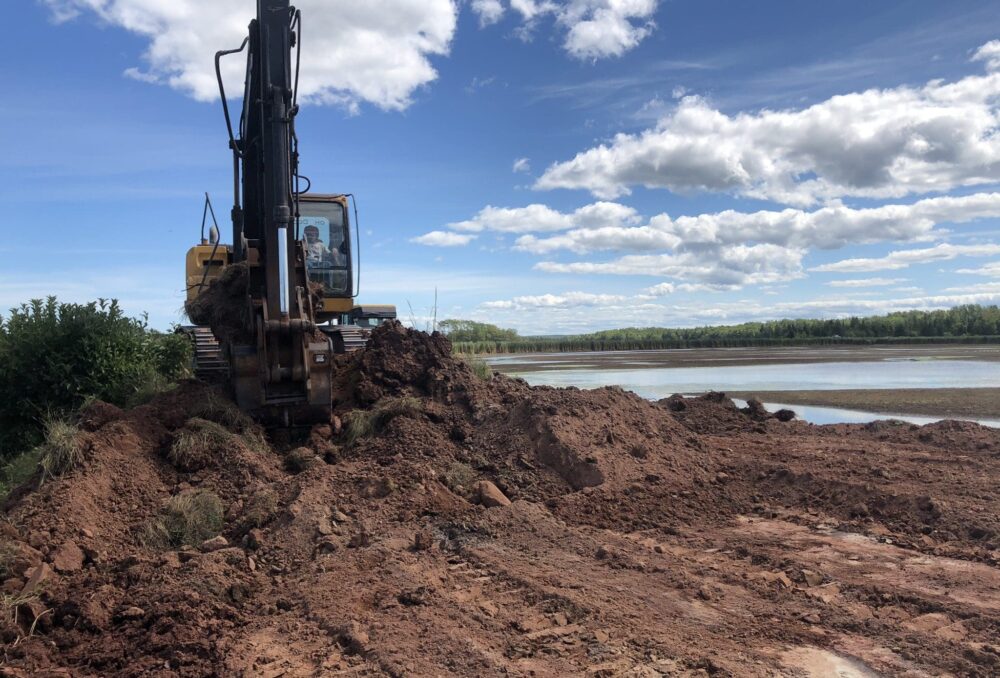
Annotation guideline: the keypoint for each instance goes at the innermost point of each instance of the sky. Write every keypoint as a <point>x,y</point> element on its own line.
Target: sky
<point>554,166</point>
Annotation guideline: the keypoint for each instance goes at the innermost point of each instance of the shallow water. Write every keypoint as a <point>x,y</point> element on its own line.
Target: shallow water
<point>660,382</point>
<point>835,415</point>
<point>655,382</point>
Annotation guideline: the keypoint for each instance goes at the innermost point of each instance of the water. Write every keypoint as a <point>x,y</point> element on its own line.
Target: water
<point>660,382</point>
<point>647,379</point>
<point>835,415</point>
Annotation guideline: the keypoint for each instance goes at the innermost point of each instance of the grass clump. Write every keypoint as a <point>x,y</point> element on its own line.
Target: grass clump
<point>479,367</point>
<point>299,459</point>
<point>366,423</point>
<point>188,519</point>
<point>198,444</point>
<point>260,507</point>
<point>224,412</point>
<point>458,477</point>
<point>62,450</point>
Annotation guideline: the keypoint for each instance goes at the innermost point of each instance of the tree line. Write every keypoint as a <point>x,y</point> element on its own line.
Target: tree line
<point>965,324</point>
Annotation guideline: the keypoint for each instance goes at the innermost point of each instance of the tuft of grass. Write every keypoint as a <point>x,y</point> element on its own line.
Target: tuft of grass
<point>200,443</point>
<point>366,423</point>
<point>62,450</point>
<point>11,606</point>
<point>224,412</point>
<point>260,507</point>
<point>299,459</point>
<point>458,477</point>
<point>188,519</point>
<point>479,366</point>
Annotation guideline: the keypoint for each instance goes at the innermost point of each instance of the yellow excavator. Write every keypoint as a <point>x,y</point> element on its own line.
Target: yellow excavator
<point>291,271</point>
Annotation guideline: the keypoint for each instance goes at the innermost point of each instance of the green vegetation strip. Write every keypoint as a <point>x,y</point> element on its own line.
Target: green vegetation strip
<point>960,325</point>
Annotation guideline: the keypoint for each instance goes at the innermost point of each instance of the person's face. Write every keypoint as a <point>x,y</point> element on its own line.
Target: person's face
<point>312,236</point>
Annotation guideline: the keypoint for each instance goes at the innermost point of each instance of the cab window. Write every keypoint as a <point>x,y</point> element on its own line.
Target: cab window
<point>324,231</point>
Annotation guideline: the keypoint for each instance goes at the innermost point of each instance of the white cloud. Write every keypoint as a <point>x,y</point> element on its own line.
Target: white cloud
<point>661,290</point>
<point>991,269</point>
<point>595,29</point>
<point>489,11</point>
<point>359,51</point>
<point>522,165</point>
<point>830,227</point>
<point>979,288</point>
<point>866,282</point>
<point>878,143</point>
<point>901,259</point>
<point>555,301</point>
<point>542,218</point>
<point>989,53</point>
<point>443,239</point>
<point>730,267</point>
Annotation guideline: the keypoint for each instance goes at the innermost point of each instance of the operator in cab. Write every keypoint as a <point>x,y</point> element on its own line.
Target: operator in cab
<point>316,252</point>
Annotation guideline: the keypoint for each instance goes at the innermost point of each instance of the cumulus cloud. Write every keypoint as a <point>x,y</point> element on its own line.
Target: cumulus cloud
<point>991,269</point>
<point>990,54</point>
<point>443,239</point>
<point>830,227</point>
<point>556,301</point>
<point>725,250</point>
<point>866,282</point>
<point>522,165</point>
<point>358,51</point>
<point>595,29</point>
<point>877,144</point>
<point>542,218</point>
<point>901,259</point>
<point>729,267</point>
<point>489,11</point>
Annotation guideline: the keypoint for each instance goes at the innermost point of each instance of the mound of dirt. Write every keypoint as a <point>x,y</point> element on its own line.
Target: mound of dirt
<point>443,524</point>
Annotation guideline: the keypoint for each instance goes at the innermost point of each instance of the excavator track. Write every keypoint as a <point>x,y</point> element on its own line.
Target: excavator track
<point>345,338</point>
<point>208,361</point>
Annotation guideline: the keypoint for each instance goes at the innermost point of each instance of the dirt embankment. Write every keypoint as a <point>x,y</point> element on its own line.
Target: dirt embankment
<point>446,525</point>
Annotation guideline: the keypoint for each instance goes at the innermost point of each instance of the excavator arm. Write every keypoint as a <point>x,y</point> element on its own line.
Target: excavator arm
<point>281,365</point>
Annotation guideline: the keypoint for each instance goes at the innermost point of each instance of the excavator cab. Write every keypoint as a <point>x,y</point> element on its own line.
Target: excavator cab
<point>326,232</point>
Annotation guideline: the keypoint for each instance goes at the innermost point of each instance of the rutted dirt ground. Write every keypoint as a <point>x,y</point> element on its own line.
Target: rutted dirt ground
<point>616,537</point>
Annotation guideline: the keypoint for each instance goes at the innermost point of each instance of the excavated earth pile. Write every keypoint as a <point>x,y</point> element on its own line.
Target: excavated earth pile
<point>443,524</point>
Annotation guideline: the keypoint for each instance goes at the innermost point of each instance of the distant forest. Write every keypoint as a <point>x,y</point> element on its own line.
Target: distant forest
<point>962,324</point>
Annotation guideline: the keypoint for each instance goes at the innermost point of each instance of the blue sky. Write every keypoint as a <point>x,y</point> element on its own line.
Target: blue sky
<point>553,166</point>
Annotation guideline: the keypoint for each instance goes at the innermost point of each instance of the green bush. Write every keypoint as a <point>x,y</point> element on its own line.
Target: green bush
<point>53,356</point>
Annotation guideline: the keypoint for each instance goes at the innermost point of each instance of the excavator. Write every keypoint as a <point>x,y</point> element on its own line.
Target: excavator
<point>291,248</point>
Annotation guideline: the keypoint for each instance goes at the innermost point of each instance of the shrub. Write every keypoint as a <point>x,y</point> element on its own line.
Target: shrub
<point>366,423</point>
<point>189,519</point>
<point>18,470</point>
<point>53,356</point>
